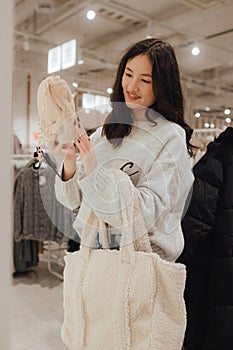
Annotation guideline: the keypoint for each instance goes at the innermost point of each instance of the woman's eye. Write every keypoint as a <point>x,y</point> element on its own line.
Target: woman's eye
<point>146,81</point>
<point>128,74</point>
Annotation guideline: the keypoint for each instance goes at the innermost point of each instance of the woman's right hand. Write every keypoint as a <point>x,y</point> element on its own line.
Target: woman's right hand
<point>67,152</point>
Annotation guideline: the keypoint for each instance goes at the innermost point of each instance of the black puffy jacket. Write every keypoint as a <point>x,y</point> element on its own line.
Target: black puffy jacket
<point>208,251</point>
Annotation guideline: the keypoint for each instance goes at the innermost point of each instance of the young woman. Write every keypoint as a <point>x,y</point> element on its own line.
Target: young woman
<point>146,137</point>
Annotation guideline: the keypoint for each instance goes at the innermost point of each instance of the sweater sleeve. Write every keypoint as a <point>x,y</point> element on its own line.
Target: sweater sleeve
<point>68,192</point>
<point>161,192</point>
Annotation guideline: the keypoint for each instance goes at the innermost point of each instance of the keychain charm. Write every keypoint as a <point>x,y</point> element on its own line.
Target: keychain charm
<point>38,155</point>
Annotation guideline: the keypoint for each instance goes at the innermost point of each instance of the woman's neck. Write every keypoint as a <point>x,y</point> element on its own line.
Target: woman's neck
<point>139,114</point>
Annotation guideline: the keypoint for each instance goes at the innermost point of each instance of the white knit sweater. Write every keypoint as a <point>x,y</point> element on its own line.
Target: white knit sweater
<point>158,169</point>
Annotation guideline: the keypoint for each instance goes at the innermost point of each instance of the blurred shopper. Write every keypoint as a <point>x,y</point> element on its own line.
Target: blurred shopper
<point>208,251</point>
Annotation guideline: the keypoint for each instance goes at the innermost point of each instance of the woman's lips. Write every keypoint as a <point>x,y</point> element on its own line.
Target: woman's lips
<point>132,97</point>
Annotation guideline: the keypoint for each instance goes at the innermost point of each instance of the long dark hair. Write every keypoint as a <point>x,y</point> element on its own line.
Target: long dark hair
<point>166,86</point>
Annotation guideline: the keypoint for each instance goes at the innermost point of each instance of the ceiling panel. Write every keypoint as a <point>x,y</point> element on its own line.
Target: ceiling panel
<point>117,24</point>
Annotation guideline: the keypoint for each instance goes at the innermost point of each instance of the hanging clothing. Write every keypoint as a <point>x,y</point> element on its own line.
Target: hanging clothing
<point>25,255</point>
<point>16,145</point>
<point>208,250</point>
<point>37,213</point>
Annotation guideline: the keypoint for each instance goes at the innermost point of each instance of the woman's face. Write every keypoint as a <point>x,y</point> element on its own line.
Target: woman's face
<point>137,83</point>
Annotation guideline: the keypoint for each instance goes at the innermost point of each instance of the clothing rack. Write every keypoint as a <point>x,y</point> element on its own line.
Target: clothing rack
<point>53,258</point>
<point>20,160</point>
<point>53,254</point>
<point>209,131</point>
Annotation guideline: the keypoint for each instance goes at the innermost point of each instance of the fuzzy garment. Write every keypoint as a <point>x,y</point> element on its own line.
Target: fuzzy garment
<point>56,109</point>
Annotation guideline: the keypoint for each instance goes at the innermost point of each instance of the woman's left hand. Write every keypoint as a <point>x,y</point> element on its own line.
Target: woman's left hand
<point>86,149</point>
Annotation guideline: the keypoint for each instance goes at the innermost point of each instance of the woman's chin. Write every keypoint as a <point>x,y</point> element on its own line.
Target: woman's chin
<point>134,105</point>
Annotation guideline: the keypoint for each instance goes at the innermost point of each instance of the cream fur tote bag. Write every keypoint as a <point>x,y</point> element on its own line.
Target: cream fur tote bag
<point>122,299</point>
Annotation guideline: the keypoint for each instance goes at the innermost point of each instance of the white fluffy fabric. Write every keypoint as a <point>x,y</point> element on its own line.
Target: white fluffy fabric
<point>122,300</point>
<point>56,109</point>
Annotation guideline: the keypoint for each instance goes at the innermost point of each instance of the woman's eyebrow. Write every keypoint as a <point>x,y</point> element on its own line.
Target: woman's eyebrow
<point>145,74</point>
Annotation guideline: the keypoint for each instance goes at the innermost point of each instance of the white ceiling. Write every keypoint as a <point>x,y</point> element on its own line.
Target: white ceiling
<point>207,78</point>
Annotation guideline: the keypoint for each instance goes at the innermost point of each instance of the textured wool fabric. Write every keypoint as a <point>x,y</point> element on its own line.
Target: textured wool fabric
<point>112,304</point>
<point>122,300</point>
<point>56,109</point>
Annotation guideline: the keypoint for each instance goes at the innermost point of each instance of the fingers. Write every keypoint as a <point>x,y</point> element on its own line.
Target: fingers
<point>80,129</point>
<point>82,141</point>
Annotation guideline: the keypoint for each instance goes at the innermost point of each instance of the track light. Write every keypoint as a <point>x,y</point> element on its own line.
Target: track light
<point>195,51</point>
<point>227,111</point>
<point>91,14</point>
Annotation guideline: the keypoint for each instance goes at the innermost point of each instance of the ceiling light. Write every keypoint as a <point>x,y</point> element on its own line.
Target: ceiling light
<point>228,120</point>
<point>212,125</point>
<point>74,84</point>
<point>195,51</point>
<point>91,14</point>
<point>207,109</point>
<point>80,61</point>
<point>227,111</point>
<point>206,125</point>
<point>197,115</point>
<point>109,90</point>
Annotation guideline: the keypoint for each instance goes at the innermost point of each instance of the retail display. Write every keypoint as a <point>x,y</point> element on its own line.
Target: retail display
<point>59,68</point>
<point>37,213</point>
<point>38,216</point>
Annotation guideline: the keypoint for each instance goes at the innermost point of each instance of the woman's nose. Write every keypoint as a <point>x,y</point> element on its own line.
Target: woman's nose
<point>133,85</point>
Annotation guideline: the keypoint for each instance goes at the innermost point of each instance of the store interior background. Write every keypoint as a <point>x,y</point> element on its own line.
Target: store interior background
<point>40,25</point>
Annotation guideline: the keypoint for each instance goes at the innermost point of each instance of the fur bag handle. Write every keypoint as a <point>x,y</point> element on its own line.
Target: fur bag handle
<point>129,243</point>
